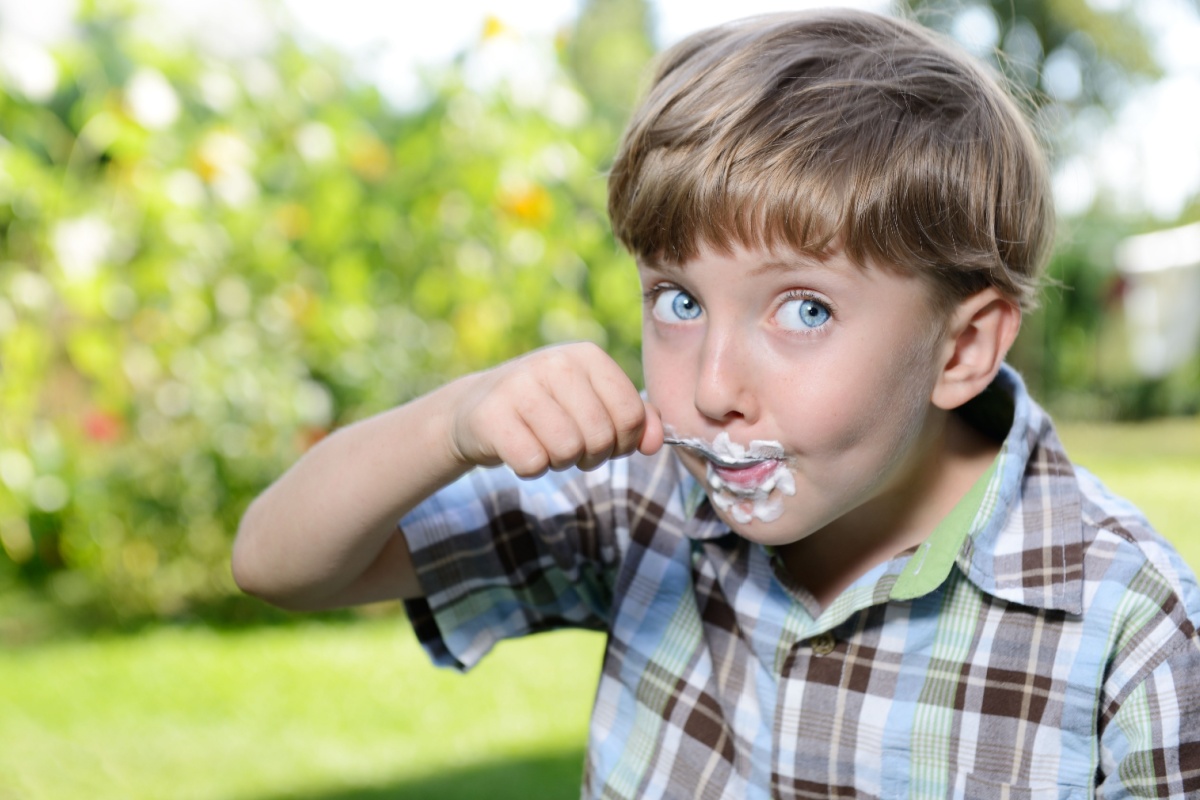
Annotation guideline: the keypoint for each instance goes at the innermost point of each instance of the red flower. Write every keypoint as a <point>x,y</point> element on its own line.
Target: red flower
<point>101,426</point>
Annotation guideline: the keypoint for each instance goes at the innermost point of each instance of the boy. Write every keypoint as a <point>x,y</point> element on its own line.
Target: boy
<point>865,567</point>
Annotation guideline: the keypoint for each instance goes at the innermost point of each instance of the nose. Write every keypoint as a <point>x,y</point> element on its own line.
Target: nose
<point>724,379</point>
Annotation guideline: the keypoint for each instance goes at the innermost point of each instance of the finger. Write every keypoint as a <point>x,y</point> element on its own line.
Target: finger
<point>563,373</point>
<point>579,398</point>
<point>521,450</point>
<point>651,440</point>
<point>556,430</point>
<point>623,405</point>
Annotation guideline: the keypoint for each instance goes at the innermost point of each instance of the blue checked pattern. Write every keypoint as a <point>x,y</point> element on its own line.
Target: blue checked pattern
<point>1054,657</point>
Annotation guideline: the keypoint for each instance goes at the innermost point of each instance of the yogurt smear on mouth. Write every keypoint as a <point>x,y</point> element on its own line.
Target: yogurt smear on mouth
<point>743,478</point>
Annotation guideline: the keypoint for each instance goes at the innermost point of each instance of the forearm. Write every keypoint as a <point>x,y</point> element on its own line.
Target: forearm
<point>325,533</point>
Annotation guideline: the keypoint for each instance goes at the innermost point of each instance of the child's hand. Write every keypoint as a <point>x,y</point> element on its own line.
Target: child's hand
<point>555,408</point>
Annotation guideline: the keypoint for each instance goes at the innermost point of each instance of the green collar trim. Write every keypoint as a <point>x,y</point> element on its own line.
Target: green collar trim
<point>931,563</point>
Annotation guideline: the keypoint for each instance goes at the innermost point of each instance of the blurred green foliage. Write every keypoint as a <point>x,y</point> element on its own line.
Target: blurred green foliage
<point>206,265</point>
<point>1072,53</point>
<point>1075,64</point>
<point>608,52</point>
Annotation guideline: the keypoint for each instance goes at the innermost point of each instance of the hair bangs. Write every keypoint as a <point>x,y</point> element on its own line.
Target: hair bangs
<point>843,131</point>
<point>671,218</point>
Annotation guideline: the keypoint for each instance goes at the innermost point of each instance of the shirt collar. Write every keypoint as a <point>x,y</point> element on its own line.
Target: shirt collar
<point>1026,542</point>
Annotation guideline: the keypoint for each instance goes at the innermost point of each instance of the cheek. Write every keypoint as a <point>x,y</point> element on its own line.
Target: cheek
<point>871,399</point>
<point>665,376</point>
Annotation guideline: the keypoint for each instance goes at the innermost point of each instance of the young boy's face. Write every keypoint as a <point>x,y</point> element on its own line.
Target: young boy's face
<point>810,378</point>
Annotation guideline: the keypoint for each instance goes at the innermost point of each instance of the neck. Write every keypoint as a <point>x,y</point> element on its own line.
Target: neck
<point>901,516</point>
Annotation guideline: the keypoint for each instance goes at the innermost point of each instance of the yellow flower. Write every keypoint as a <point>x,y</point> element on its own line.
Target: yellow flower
<point>530,203</point>
<point>493,27</point>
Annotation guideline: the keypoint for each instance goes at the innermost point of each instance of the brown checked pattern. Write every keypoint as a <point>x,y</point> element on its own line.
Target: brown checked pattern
<point>1054,657</point>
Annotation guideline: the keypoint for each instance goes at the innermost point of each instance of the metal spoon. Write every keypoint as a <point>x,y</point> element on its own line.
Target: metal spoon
<point>707,452</point>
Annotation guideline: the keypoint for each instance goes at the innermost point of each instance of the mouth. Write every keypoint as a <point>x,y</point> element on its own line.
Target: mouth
<point>725,453</point>
<point>743,479</point>
<point>747,478</point>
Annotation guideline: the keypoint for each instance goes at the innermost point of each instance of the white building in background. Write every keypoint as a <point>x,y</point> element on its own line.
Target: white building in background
<point>1162,302</point>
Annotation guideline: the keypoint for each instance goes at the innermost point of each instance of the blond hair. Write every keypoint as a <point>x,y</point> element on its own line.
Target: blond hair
<point>842,129</point>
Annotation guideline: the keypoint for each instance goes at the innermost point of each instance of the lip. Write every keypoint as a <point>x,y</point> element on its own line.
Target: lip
<point>748,477</point>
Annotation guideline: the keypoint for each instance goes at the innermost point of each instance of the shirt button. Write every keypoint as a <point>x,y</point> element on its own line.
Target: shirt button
<point>823,644</point>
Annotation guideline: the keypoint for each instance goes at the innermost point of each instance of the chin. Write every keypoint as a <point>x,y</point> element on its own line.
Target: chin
<point>773,533</point>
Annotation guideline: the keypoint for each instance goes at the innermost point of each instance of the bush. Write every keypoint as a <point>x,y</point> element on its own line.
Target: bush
<point>205,266</point>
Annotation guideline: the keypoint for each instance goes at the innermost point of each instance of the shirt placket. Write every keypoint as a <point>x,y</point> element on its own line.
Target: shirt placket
<point>815,726</point>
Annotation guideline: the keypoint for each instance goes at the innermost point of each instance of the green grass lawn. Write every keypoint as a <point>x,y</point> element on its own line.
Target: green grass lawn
<point>315,712</point>
<point>1154,464</point>
<point>354,711</point>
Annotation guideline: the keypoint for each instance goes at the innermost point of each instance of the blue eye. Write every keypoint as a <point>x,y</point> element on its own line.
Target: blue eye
<point>803,314</point>
<point>674,305</point>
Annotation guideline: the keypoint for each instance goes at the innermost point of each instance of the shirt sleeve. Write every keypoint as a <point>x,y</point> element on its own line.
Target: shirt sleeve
<point>499,557</point>
<point>1151,745</point>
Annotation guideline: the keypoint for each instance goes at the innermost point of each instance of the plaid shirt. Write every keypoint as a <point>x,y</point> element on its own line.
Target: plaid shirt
<point>1048,652</point>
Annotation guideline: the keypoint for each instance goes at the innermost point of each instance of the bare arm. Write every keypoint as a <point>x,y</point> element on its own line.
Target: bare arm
<point>324,535</point>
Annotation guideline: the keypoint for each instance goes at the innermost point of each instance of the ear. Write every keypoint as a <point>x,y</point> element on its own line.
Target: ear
<point>978,335</point>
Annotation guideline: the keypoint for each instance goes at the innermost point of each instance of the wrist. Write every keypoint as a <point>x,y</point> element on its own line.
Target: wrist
<point>437,417</point>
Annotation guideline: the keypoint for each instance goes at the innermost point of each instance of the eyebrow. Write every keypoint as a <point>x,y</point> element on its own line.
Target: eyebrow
<point>788,265</point>
<point>658,266</point>
<point>797,264</point>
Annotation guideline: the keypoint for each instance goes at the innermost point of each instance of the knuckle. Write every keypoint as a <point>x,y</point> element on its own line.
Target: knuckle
<point>629,416</point>
<point>599,443</point>
<point>520,387</point>
<point>588,349</point>
<point>526,405</point>
<point>557,357</point>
